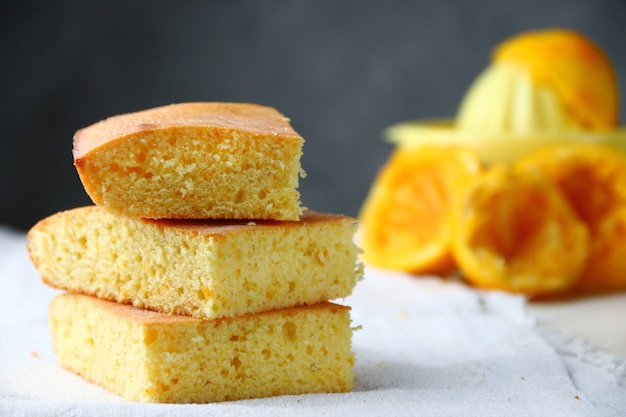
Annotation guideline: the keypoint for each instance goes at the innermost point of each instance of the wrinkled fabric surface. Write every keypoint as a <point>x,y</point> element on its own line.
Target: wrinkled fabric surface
<point>424,347</point>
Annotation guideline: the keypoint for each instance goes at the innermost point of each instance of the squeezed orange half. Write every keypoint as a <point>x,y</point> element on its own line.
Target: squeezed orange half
<point>516,232</point>
<point>593,179</point>
<point>575,67</point>
<point>405,218</point>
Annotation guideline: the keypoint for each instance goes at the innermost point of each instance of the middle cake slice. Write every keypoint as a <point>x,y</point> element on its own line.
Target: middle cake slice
<point>200,268</point>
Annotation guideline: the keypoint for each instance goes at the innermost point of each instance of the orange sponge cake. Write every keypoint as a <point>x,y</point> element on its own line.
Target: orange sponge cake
<point>155,357</point>
<point>201,268</point>
<point>193,160</point>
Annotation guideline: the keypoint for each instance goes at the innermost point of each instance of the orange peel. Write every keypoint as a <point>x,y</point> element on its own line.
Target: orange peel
<point>578,70</point>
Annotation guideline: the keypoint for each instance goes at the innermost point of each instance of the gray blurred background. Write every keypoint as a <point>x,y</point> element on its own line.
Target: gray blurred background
<point>341,70</point>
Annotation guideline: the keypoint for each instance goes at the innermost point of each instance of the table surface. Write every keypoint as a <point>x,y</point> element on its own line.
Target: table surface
<point>599,320</point>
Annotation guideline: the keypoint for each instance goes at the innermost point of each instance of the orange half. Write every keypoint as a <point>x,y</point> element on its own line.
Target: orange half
<point>405,218</point>
<point>576,68</point>
<point>517,233</point>
<point>593,179</point>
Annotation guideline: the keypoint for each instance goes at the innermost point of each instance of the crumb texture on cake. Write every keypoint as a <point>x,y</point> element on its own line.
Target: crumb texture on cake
<point>193,160</point>
<point>206,269</point>
<point>153,357</point>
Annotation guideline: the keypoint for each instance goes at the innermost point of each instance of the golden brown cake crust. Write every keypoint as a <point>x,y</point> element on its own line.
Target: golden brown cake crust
<point>216,227</point>
<point>252,118</point>
<point>149,317</point>
<point>219,226</point>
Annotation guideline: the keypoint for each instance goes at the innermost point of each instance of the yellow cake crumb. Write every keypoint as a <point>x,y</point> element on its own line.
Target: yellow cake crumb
<point>206,269</point>
<point>154,357</point>
<point>193,160</point>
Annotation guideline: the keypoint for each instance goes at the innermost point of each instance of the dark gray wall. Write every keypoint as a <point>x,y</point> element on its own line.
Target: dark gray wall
<point>341,70</point>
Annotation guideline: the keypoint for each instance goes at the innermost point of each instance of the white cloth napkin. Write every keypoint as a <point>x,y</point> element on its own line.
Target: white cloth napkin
<point>426,347</point>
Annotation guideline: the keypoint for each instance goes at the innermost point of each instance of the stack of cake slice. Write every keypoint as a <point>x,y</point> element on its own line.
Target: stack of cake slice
<point>197,276</point>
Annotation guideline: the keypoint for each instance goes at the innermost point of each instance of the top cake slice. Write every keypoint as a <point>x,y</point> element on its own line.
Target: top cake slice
<point>193,161</point>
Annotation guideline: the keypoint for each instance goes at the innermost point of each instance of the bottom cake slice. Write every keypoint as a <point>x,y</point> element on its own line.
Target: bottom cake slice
<point>155,357</point>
